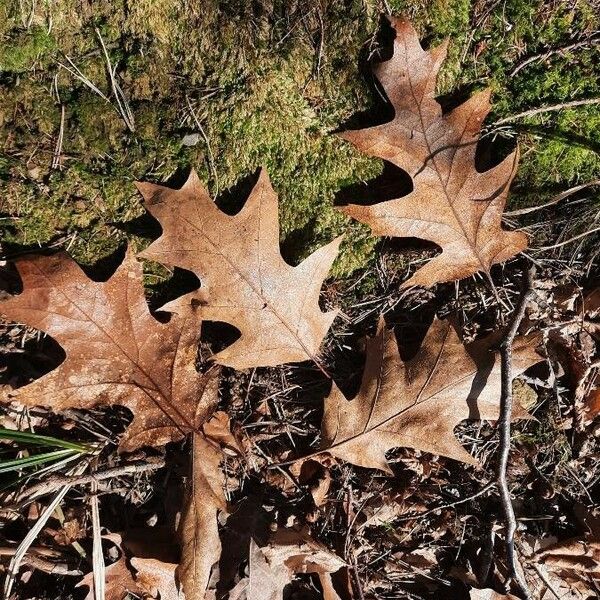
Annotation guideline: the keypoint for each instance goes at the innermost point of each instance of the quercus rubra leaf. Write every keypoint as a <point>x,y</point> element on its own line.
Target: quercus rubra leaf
<point>149,578</point>
<point>451,204</point>
<point>116,351</point>
<point>245,280</point>
<point>198,530</point>
<point>274,566</point>
<point>417,404</point>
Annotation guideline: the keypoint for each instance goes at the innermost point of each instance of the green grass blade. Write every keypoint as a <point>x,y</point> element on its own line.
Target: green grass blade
<point>31,461</point>
<point>27,437</point>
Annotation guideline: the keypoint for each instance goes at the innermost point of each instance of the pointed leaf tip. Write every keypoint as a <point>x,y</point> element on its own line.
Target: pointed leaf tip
<point>452,204</point>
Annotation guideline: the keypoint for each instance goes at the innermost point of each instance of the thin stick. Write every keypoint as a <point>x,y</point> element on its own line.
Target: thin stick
<point>424,513</point>
<point>53,483</point>
<point>56,162</point>
<point>99,566</point>
<point>544,109</point>
<point>122,105</point>
<point>17,559</point>
<point>506,401</point>
<point>555,200</point>
<point>573,239</point>
<point>553,51</point>
<point>211,158</point>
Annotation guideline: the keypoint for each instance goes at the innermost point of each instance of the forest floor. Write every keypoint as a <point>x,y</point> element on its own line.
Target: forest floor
<point>227,87</point>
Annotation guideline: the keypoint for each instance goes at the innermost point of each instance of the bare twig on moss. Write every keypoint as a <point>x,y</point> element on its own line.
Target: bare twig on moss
<point>593,39</point>
<point>544,109</point>
<point>56,157</point>
<point>555,200</point>
<point>506,401</point>
<point>122,104</point>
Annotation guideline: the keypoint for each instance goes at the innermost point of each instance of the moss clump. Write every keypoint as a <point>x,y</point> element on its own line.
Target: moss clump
<point>268,83</point>
<point>21,50</point>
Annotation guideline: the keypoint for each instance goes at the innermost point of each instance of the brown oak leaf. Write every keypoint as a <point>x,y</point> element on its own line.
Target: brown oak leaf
<point>451,204</point>
<point>198,530</point>
<point>156,578</point>
<point>245,280</point>
<point>149,578</point>
<point>417,404</point>
<point>489,594</point>
<point>274,566</point>
<point>575,554</point>
<point>117,353</point>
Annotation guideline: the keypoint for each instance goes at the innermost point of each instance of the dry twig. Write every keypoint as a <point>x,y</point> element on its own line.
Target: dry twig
<point>554,51</point>
<point>506,401</point>
<point>53,483</point>
<point>544,109</point>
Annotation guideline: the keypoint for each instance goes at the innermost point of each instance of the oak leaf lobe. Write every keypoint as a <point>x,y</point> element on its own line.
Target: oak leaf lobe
<point>117,353</point>
<point>452,204</point>
<point>245,281</point>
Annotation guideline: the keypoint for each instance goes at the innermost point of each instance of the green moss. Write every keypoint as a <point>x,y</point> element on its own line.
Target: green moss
<point>21,50</point>
<point>269,82</point>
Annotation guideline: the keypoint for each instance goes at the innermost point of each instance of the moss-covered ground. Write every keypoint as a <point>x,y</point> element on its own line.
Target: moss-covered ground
<point>267,83</point>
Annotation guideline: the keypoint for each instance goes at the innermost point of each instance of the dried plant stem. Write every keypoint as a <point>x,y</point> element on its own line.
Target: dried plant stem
<point>544,109</point>
<point>56,157</point>
<point>555,200</point>
<point>25,545</point>
<point>506,401</point>
<point>97,554</point>
<point>590,41</point>
<point>484,490</point>
<point>51,484</point>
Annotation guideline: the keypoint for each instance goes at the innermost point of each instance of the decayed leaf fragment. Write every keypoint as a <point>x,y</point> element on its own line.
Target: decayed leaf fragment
<point>451,204</point>
<point>289,553</point>
<point>245,280</point>
<point>489,594</point>
<point>150,578</point>
<point>116,351</point>
<point>577,349</point>
<point>576,554</point>
<point>156,578</point>
<point>418,403</point>
<point>198,530</point>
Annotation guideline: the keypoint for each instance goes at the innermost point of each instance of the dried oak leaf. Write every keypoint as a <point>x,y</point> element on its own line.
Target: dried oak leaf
<point>274,566</point>
<point>198,530</point>
<point>577,348</point>
<point>150,578</point>
<point>116,351</point>
<point>245,280</point>
<point>451,204</point>
<point>489,594</point>
<point>575,554</point>
<point>156,578</point>
<point>418,403</point>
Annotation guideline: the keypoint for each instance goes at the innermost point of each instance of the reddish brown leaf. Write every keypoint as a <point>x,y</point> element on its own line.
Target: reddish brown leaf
<point>116,351</point>
<point>575,554</point>
<point>274,566</point>
<point>488,594</point>
<point>198,531</point>
<point>156,578</point>
<point>451,204</point>
<point>245,280</point>
<point>418,403</point>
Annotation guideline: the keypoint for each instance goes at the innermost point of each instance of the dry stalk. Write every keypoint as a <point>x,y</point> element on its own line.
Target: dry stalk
<point>55,482</point>
<point>506,402</point>
<point>544,109</point>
